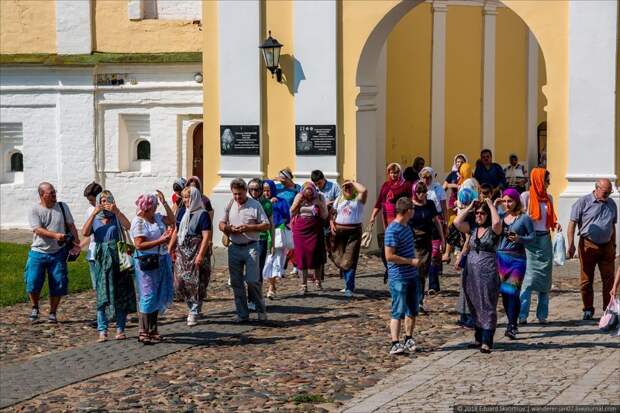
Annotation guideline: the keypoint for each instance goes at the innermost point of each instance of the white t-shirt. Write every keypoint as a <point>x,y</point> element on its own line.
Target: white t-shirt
<point>541,224</point>
<point>436,193</point>
<point>90,255</point>
<point>140,227</point>
<point>348,212</point>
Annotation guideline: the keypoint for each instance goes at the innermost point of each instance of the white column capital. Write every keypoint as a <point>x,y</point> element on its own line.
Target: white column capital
<point>440,6</point>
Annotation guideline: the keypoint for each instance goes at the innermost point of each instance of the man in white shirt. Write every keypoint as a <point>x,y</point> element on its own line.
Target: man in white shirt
<point>516,174</point>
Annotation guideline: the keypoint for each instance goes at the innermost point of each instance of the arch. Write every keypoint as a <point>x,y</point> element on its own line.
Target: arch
<point>143,150</point>
<point>16,162</point>
<point>366,78</point>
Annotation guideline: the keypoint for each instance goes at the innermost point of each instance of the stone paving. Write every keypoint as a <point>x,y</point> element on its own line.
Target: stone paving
<point>564,362</point>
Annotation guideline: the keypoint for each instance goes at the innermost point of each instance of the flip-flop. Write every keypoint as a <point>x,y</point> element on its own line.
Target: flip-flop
<point>120,336</point>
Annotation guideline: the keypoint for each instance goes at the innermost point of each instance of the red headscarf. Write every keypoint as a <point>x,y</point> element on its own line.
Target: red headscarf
<point>538,194</point>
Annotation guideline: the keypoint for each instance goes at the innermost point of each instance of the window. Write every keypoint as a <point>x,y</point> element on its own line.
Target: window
<point>165,10</point>
<point>143,151</point>
<point>17,162</point>
<point>11,148</point>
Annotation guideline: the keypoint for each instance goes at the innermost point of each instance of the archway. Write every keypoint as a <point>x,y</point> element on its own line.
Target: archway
<point>368,80</point>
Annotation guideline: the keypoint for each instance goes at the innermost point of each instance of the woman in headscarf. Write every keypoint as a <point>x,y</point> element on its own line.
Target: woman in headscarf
<point>424,223</point>
<point>466,178</point>
<point>197,183</point>
<point>308,212</point>
<point>116,296</point>
<point>518,231</point>
<point>192,242</point>
<point>465,197</point>
<point>412,173</point>
<point>393,188</point>
<point>280,219</point>
<point>539,253</point>
<point>255,189</point>
<point>346,228</point>
<point>480,281</point>
<point>177,200</point>
<point>287,190</point>
<point>439,197</point>
<point>451,186</point>
<point>151,232</point>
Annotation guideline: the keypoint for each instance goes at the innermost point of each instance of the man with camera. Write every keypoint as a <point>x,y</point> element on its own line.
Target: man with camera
<point>55,240</point>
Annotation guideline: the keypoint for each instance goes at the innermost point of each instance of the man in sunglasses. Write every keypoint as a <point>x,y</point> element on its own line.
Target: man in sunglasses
<point>596,215</point>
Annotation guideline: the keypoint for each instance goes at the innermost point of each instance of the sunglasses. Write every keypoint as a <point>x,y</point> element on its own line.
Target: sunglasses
<point>486,193</point>
<point>481,213</point>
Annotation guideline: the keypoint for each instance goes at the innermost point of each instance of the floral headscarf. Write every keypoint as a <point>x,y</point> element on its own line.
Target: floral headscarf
<point>310,185</point>
<point>145,202</point>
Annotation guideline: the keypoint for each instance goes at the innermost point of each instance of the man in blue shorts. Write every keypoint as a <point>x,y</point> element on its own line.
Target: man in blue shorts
<point>402,276</point>
<point>54,236</point>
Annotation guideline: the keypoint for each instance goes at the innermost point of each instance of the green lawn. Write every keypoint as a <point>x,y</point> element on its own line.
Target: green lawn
<point>12,261</point>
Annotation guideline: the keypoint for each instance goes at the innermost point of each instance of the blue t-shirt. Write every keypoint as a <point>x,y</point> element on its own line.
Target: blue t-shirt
<point>287,194</point>
<point>330,191</point>
<point>400,237</point>
<point>493,176</point>
<point>105,232</point>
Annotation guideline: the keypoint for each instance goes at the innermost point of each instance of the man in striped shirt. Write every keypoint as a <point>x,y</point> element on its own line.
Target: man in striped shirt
<point>402,276</point>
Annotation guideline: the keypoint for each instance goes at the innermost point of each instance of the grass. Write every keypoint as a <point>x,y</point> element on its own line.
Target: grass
<point>99,58</point>
<point>12,262</point>
<point>302,398</point>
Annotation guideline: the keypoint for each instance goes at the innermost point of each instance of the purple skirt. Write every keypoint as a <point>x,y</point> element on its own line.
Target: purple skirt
<point>309,242</point>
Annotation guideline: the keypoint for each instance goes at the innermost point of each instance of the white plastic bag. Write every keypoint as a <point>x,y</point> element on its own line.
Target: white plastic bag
<point>610,319</point>
<point>274,265</point>
<point>283,238</point>
<point>559,249</point>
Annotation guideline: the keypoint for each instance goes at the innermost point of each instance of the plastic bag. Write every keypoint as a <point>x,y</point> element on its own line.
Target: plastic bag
<point>610,319</point>
<point>559,249</point>
<point>367,237</point>
<point>283,238</point>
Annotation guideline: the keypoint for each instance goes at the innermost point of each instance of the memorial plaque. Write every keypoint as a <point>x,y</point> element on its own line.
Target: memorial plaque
<point>239,140</point>
<point>315,140</point>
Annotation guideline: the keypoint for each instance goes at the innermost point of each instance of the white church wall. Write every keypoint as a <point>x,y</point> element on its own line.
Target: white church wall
<point>57,109</point>
<point>57,139</point>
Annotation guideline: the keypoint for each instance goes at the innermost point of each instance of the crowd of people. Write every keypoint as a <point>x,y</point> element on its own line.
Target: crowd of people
<point>487,218</point>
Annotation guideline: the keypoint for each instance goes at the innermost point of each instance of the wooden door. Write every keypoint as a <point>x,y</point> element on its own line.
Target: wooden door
<point>197,152</point>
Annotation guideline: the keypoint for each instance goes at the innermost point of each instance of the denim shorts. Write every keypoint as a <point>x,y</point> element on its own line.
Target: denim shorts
<point>404,298</point>
<point>54,265</point>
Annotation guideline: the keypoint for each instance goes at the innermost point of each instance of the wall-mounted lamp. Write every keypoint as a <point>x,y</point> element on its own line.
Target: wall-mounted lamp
<point>271,54</point>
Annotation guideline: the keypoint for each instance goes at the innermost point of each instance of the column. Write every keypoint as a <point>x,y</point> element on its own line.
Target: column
<point>488,77</point>
<point>591,99</point>
<point>239,72</point>
<point>73,27</point>
<point>316,87</point>
<point>381,104</point>
<point>438,87</point>
<point>532,101</point>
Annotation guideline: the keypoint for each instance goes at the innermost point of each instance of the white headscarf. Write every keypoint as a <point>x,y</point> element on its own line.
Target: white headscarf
<point>195,204</point>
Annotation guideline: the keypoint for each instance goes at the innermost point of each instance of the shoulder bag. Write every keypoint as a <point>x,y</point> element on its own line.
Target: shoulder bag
<point>68,236</point>
<point>124,248</point>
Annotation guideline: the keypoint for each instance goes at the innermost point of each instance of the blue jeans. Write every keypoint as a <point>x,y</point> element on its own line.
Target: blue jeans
<point>542,310</point>
<point>102,320</point>
<point>243,265</point>
<point>93,276</point>
<point>349,278</point>
<point>54,266</point>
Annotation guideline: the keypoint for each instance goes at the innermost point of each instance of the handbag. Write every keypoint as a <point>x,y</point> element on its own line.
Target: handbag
<point>149,262</point>
<point>225,238</point>
<point>124,248</point>
<point>68,236</point>
<point>367,236</point>
<point>283,238</point>
<point>610,319</point>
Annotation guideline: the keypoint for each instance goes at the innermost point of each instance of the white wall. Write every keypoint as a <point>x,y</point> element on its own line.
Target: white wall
<point>57,109</point>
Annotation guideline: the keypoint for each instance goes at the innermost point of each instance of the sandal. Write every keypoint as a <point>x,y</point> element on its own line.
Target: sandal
<point>156,338</point>
<point>144,338</point>
<point>103,336</point>
<point>120,336</point>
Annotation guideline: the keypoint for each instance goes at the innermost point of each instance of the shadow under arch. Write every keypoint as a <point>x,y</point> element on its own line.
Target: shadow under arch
<point>366,80</point>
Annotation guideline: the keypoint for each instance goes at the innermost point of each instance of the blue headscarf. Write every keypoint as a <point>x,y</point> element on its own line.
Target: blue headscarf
<point>281,213</point>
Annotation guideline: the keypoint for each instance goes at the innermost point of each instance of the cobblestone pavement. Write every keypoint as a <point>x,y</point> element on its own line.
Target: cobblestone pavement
<point>566,361</point>
<point>316,353</point>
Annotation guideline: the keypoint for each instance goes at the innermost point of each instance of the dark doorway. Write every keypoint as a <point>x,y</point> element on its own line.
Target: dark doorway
<point>197,154</point>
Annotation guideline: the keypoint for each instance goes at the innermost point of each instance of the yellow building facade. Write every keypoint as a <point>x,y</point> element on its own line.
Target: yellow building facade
<point>391,80</point>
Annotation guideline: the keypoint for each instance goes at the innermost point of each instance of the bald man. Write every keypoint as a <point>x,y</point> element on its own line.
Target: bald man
<point>54,236</point>
<point>596,215</point>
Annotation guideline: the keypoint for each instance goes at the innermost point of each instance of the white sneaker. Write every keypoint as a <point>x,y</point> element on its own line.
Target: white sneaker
<point>410,346</point>
<point>293,271</point>
<point>397,348</point>
<point>191,320</point>
<point>343,290</point>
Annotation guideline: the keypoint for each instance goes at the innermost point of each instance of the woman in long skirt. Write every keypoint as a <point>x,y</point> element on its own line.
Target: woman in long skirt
<point>481,282</point>
<point>518,231</point>
<point>116,296</point>
<point>539,253</point>
<point>308,212</point>
<point>346,228</point>
<point>151,233</point>
<point>192,243</point>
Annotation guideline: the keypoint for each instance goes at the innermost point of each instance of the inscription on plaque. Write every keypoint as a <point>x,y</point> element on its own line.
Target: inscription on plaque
<point>315,140</point>
<point>239,140</point>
